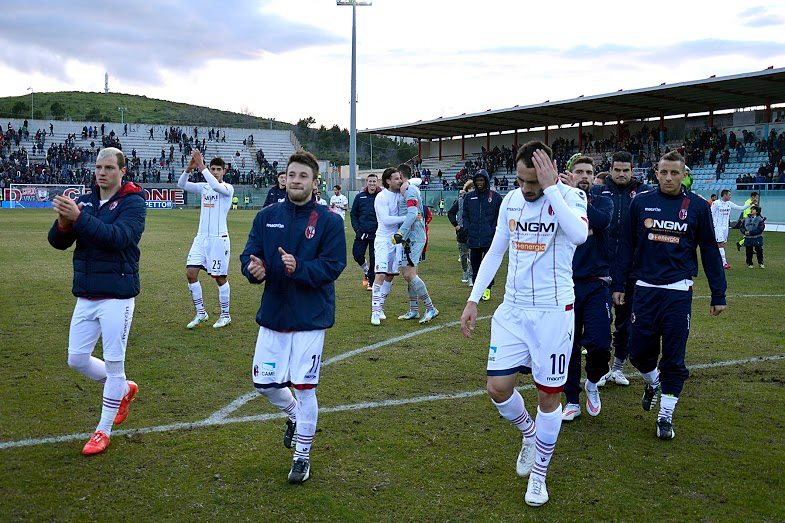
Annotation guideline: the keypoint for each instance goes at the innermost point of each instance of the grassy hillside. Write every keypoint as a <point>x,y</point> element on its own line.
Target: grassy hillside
<point>76,105</point>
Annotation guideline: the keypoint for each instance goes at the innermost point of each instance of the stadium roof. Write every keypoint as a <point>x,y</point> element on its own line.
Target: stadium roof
<point>727,92</point>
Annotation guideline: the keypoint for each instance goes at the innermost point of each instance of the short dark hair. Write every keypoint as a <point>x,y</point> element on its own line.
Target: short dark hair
<point>387,174</point>
<point>337,187</point>
<point>305,158</point>
<point>754,193</point>
<point>673,156</point>
<point>583,159</point>
<point>405,170</point>
<point>756,207</point>
<point>218,161</point>
<point>621,156</point>
<point>724,192</point>
<point>713,195</point>
<point>372,175</point>
<point>526,152</point>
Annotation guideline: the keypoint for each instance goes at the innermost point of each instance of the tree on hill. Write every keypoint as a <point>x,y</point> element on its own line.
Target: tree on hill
<point>57,110</point>
<point>93,114</point>
<point>19,109</point>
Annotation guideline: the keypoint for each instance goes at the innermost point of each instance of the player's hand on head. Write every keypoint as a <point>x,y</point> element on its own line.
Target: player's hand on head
<point>568,179</point>
<point>469,319</point>
<point>547,173</point>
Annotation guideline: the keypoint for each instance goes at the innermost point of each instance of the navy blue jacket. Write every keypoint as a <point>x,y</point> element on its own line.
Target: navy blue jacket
<point>305,299</point>
<point>591,257</point>
<point>480,213</point>
<point>660,240</point>
<point>621,198</point>
<point>275,195</point>
<point>363,214</point>
<point>106,258</point>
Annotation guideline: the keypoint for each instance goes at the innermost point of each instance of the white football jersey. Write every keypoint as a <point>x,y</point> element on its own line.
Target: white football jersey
<point>386,205</point>
<point>539,273</point>
<point>216,202</point>
<point>338,204</point>
<point>720,212</point>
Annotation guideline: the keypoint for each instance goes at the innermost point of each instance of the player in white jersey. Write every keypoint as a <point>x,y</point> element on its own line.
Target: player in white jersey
<point>540,226</point>
<point>339,202</point>
<point>210,249</point>
<point>387,255</point>
<point>720,214</point>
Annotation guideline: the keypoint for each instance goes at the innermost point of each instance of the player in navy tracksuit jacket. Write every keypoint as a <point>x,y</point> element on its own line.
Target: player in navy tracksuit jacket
<point>658,250</point>
<point>480,213</point>
<point>621,187</point>
<point>590,274</point>
<point>298,249</point>
<point>276,194</point>
<point>363,216</point>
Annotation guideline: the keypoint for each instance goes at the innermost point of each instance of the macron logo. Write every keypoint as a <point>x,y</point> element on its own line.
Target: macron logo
<point>654,209</point>
<point>274,225</point>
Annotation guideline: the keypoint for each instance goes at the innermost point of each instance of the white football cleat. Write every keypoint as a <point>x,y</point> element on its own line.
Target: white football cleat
<point>375,319</point>
<point>199,318</point>
<point>593,403</point>
<point>536,492</point>
<point>429,315</point>
<point>570,412</point>
<point>617,377</point>
<point>410,315</point>
<point>223,321</point>
<point>382,315</point>
<point>523,467</point>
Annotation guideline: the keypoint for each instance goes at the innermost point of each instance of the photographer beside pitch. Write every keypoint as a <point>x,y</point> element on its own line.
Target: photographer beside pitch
<point>658,250</point>
<point>298,249</point>
<point>106,226</point>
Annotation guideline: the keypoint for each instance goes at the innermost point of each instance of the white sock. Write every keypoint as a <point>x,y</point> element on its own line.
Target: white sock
<point>548,427</point>
<point>722,253</point>
<point>618,364</point>
<point>115,388</point>
<point>307,416</point>
<point>422,291</point>
<point>385,291</point>
<point>364,268</point>
<point>667,405</point>
<point>283,399</point>
<point>223,297</point>
<point>514,411</point>
<point>196,296</point>
<point>376,298</point>
<point>88,366</point>
<point>652,377</point>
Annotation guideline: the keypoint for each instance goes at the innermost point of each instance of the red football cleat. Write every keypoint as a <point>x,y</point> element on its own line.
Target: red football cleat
<point>122,412</point>
<point>97,443</point>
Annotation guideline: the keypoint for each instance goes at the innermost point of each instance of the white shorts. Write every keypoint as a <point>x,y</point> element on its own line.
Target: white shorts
<point>721,234</point>
<point>110,319</point>
<point>539,339</point>
<point>211,253</point>
<point>387,255</point>
<point>287,358</point>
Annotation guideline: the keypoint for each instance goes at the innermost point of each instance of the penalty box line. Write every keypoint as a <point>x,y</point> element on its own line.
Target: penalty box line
<point>325,410</point>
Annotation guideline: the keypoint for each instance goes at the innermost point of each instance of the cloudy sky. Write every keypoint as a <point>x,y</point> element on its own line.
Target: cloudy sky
<point>417,59</point>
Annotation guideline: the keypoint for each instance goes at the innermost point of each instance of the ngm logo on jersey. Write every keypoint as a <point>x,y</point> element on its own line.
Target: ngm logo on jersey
<point>532,226</point>
<point>665,225</point>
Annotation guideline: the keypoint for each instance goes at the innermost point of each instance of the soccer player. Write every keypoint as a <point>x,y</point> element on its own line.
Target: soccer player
<point>539,225</point>
<point>658,251</point>
<point>621,187</point>
<point>386,252</point>
<point>297,249</point>
<point>363,217</point>
<point>720,215</point>
<point>318,196</point>
<point>455,215</point>
<point>590,273</point>
<point>411,236</point>
<point>210,248</point>
<point>107,225</point>
<point>480,211</point>
<point>338,202</point>
<point>277,194</point>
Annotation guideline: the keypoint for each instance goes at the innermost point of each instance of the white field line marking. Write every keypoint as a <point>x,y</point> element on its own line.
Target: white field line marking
<point>338,408</point>
<point>746,296</point>
<point>245,398</point>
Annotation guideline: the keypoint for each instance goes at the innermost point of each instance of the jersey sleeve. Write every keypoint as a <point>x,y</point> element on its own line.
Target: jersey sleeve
<point>570,211</point>
<point>221,188</point>
<point>184,184</point>
<point>412,210</point>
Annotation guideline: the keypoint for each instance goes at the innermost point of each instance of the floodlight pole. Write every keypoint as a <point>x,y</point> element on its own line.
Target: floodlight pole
<point>31,101</point>
<point>353,103</point>
<point>122,114</point>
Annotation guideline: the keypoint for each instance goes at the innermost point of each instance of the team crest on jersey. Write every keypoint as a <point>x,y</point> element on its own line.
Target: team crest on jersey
<point>113,205</point>
<point>310,231</point>
<point>632,194</point>
<point>683,214</point>
<point>550,211</point>
<point>256,370</point>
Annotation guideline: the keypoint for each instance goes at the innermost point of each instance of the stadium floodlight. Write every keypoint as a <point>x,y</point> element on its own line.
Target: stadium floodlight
<point>31,101</point>
<point>353,103</point>
<point>122,114</point>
